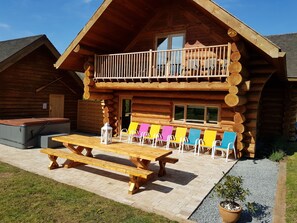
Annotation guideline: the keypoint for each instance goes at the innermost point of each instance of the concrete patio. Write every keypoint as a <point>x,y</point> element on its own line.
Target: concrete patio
<point>175,196</point>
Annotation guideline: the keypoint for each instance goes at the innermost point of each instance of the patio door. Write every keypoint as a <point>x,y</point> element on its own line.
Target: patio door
<point>125,112</point>
<point>168,59</point>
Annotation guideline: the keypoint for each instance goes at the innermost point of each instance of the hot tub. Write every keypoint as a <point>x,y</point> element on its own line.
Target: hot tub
<point>24,133</point>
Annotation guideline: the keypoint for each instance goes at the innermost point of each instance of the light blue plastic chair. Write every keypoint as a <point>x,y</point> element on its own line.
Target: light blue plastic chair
<point>226,145</point>
<point>191,140</point>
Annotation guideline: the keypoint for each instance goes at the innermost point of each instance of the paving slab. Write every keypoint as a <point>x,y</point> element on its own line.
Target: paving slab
<point>175,195</point>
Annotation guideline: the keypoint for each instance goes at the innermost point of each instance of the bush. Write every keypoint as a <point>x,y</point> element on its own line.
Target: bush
<point>277,155</point>
<point>271,147</point>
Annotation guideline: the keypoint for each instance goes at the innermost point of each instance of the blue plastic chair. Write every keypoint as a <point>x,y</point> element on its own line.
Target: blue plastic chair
<point>226,146</point>
<point>192,139</point>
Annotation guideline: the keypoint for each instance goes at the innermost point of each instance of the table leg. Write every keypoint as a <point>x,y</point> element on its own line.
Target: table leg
<point>140,163</point>
<point>162,171</point>
<point>53,163</point>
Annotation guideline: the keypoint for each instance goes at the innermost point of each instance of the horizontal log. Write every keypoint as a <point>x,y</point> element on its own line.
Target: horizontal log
<point>251,123</point>
<point>159,109</point>
<point>165,86</point>
<point>240,146</point>
<point>93,89</point>
<point>151,121</point>
<point>252,105</point>
<point>252,114</point>
<point>235,56</point>
<point>96,96</point>
<point>251,148</point>
<point>227,122</point>
<point>238,47</point>
<point>151,101</point>
<point>239,118</point>
<point>240,89</point>
<point>239,136</point>
<point>236,67</point>
<point>241,109</point>
<point>253,97</point>
<point>88,81</point>
<point>151,115</point>
<point>180,95</point>
<point>235,79</point>
<point>235,100</point>
<point>262,70</point>
<point>227,113</point>
<point>259,80</point>
<point>238,128</point>
<point>89,74</point>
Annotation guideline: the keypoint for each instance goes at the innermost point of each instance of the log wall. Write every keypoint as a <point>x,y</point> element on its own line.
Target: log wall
<point>19,84</point>
<point>89,116</point>
<point>291,111</point>
<point>157,108</point>
<point>271,115</point>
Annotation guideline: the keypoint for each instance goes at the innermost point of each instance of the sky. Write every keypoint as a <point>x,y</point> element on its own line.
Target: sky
<point>61,20</point>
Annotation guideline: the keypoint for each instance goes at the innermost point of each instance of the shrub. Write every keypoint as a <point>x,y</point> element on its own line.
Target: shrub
<point>277,155</point>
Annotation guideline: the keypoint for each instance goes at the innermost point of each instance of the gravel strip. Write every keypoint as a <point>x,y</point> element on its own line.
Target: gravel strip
<point>260,176</point>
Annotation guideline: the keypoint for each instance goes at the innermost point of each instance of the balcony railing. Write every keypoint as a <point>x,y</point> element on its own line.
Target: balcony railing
<point>187,63</point>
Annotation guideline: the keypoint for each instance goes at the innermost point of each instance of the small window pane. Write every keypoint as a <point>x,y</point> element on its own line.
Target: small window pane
<point>212,115</point>
<point>195,114</point>
<point>179,113</point>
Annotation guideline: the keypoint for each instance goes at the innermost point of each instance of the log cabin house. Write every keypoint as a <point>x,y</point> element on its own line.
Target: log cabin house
<point>182,63</point>
<point>30,84</point>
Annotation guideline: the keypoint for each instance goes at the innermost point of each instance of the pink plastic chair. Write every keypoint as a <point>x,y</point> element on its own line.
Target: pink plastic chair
<point>143,131</point>
<point>163,137</point>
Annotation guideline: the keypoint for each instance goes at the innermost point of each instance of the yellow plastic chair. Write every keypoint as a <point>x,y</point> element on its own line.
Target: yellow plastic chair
<point>132,129</point>
<point>178,138</point>
<point>208,141</point>
<point>152,135</point>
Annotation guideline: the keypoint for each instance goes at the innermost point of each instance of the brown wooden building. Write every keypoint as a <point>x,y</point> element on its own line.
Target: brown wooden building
<point>182,63</point>
<point>31,86</point>
<point>288,43</point>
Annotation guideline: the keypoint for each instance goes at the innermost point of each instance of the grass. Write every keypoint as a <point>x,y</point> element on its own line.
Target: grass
<point>291,185</point>
<point>27,197</point>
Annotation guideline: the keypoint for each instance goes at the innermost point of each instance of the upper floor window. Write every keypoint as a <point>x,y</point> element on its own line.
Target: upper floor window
<point>169,42</point>
<point>198,114</point>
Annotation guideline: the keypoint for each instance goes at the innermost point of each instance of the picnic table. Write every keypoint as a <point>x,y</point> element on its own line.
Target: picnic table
<point>82,147</point>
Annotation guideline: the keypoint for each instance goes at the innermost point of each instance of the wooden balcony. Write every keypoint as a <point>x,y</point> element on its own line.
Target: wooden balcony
<point>187,64</point>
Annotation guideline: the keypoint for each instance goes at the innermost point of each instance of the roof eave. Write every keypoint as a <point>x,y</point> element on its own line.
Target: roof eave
<point>82,33</point>
<point>242,29</point>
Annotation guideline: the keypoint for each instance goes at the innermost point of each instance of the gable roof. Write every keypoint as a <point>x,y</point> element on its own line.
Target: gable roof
<point>146,8</point>
<point>288,43</point>
<point>14,50</point>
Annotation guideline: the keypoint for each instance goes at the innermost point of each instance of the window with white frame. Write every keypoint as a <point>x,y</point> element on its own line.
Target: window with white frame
<point>196,114</point>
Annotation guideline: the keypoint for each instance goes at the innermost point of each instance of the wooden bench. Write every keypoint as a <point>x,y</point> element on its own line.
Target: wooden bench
<point>137,176</point>
<point>163,162</point>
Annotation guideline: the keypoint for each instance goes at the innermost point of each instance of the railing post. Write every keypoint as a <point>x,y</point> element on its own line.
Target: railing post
<point>228,58</point>
<point>150,62</point>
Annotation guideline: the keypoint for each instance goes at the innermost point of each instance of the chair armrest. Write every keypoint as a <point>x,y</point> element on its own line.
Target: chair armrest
<point>215,142</point>
<point>124,130</point>
<point>231,145</point>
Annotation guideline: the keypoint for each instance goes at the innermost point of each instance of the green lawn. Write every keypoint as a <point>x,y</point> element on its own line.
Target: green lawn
<point>291,184</point>
<point>26,197</point>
